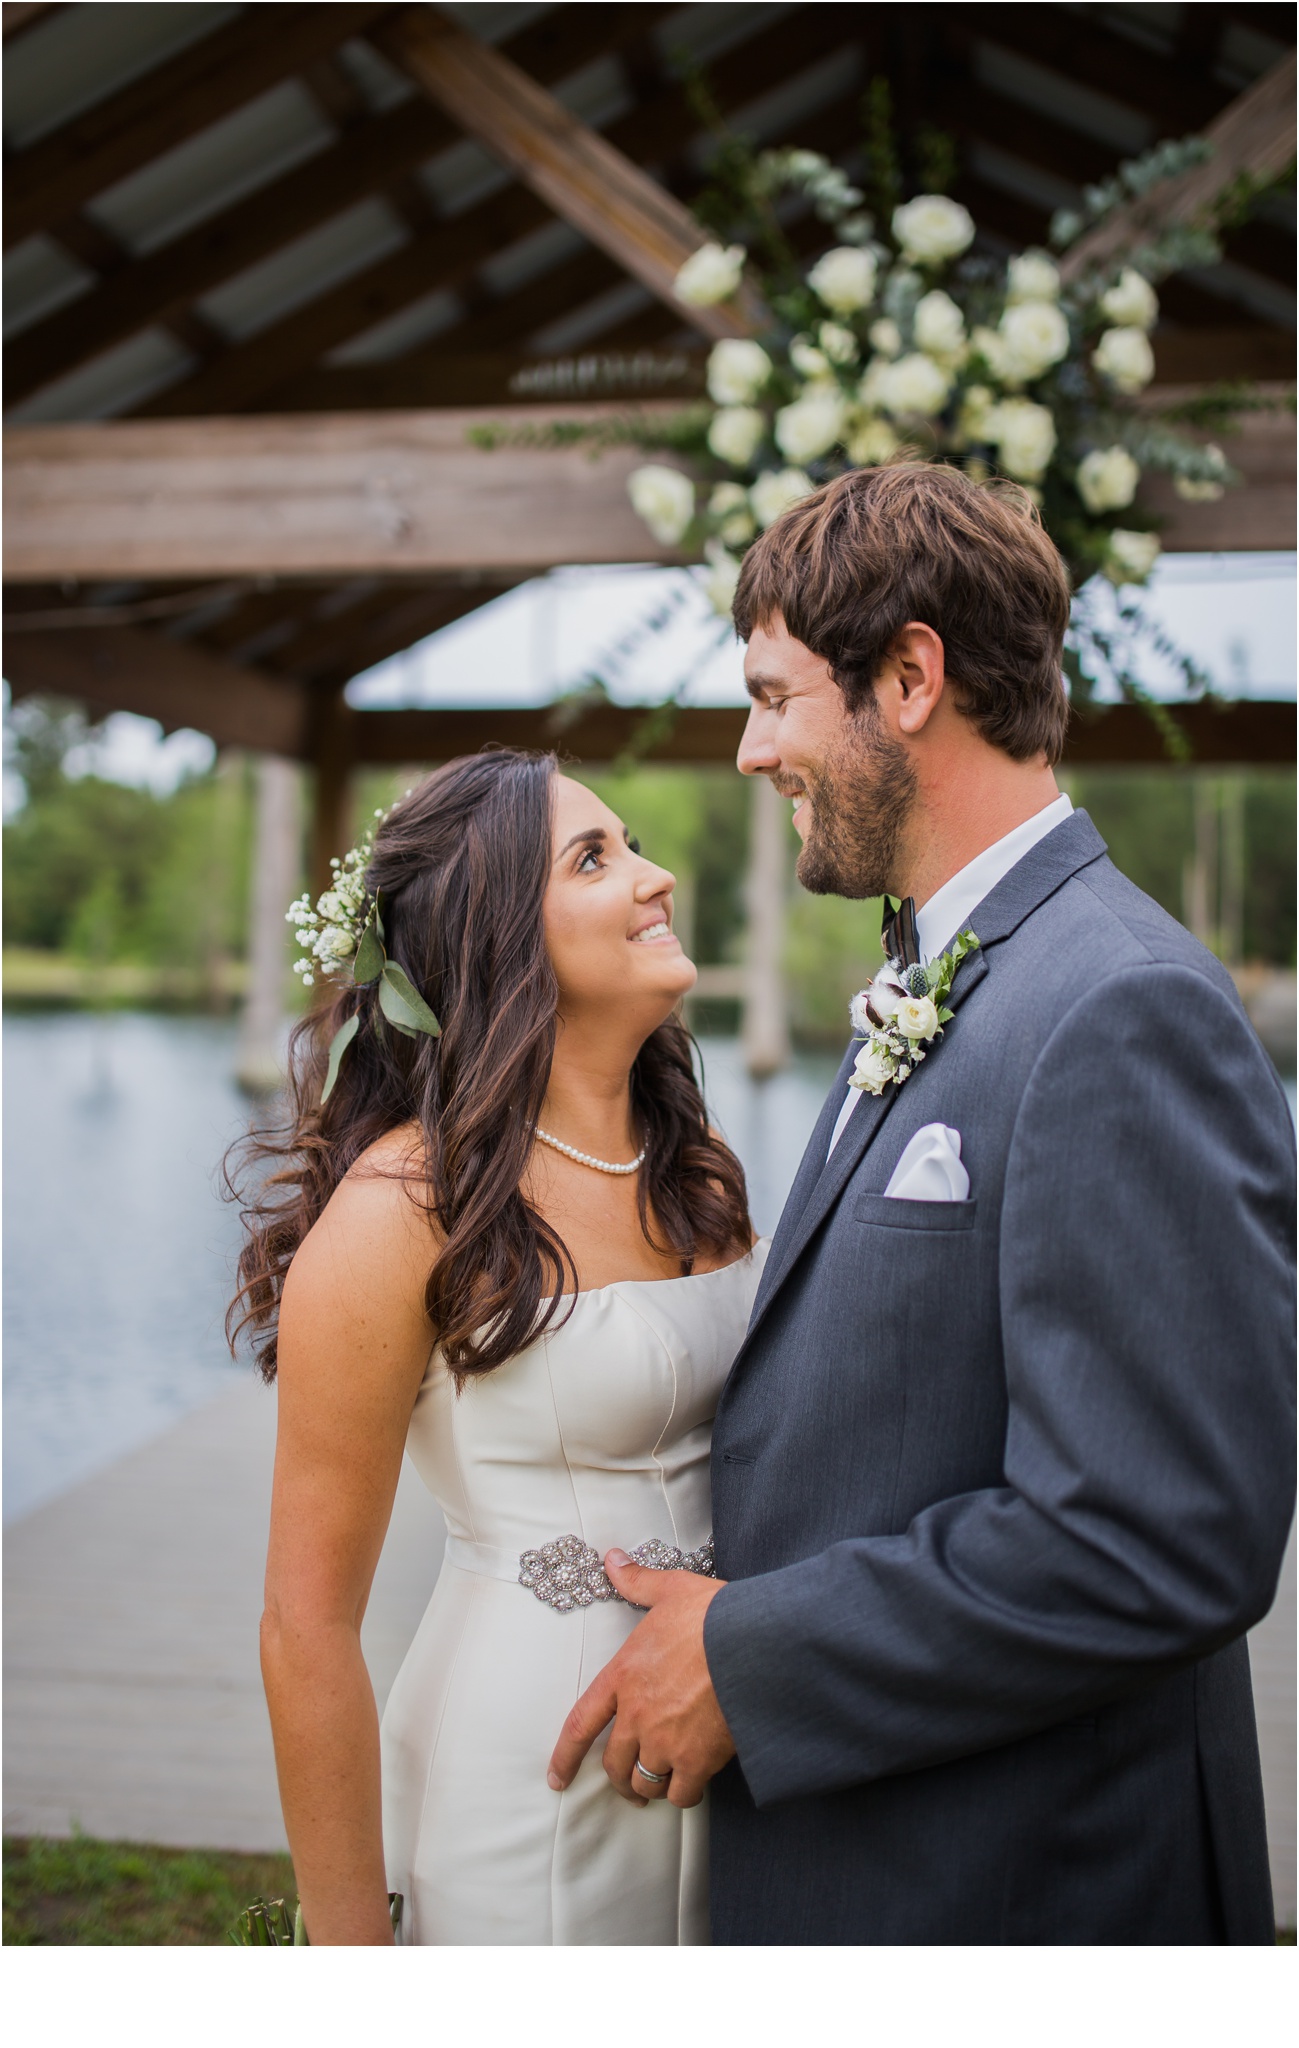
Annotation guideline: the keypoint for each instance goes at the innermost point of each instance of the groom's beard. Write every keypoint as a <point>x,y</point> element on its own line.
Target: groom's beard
<point>862,797</point>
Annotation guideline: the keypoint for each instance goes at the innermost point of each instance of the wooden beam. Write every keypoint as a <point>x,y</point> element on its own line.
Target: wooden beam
<point>307,495</point>
<point>575,171</point>
<point>1215,355</point>
<point>405,493</point>
<point>376,151</point>
<point>1254,137</point>
<point>1256,733</point>
<point>121,668</point>
<point>178,98</point>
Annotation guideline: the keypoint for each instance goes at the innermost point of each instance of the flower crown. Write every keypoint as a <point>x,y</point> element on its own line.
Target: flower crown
<point>344,935</point>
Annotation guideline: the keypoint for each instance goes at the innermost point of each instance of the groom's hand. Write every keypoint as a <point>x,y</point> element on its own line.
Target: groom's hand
<point>656,1691</point>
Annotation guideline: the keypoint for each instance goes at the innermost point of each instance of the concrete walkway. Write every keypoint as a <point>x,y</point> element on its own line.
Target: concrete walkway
<point>133,1701</point>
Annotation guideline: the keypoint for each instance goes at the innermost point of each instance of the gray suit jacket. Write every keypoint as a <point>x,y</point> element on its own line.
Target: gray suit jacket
<point>999,1485</point>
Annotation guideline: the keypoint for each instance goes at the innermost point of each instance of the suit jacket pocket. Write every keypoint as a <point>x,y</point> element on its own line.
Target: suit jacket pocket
<point>891,1213</point>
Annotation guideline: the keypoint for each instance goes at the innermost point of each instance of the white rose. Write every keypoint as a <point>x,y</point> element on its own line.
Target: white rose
<point>736,433</point>
<point>1107,479</point>
<point>940,324</point>
<point>1132,556</point>
<point>1125,359</point>
<point>811,425</point>
<point>988,343</point>
<point>932,229</point>
<point>838,343</point>
<point>730,504</point>
<point>886,338</point>
<point>723,575</point>
<point>917,1017</point>
<point>1132,302</point>
<point>1031,276</point>
<point>1024,434</point>
<point>844,279</point>
<point>737,372</point>
<point>872,1070</point>
<point>914,384</point>
<point>976,413</point>
<point>806,361</point>
<point>1035,335</point>
<point>335,944</point>
<point>871,441</point>
<point>710,275</point>
<point>776,490</point>
<point>664,499</point>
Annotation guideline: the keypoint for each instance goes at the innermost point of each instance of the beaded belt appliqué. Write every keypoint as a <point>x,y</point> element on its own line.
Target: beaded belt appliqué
<point>568,1573</point>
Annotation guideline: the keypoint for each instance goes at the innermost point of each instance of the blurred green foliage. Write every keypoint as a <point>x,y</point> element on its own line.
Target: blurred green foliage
<point>106,873</point>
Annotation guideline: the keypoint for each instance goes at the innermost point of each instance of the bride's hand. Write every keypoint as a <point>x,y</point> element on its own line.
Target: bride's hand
<point>657,1692</point>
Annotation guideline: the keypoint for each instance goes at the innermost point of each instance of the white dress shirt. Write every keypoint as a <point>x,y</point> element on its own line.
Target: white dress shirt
<point>948,909</point>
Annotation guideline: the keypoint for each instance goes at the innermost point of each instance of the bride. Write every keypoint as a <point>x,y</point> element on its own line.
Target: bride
<point>516,1251</point>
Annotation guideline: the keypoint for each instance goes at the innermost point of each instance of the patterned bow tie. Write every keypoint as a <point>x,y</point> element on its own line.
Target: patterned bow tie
<point>900,939</point>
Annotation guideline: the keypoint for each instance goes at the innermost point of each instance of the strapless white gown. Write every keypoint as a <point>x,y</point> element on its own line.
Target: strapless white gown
<point>599,1430</point>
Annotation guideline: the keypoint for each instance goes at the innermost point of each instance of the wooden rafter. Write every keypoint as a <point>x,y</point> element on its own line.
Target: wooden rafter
<point>210,78</point>
<point>1254,137</point>
<point>1178,97</point>
<point>447,255</point>
<point>578,173</point>
<point>376,152</point>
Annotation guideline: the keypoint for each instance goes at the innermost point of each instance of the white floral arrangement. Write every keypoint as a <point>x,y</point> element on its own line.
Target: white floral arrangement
<point>900,1014</point>
<point>902,337</point>
<point>329,931</point>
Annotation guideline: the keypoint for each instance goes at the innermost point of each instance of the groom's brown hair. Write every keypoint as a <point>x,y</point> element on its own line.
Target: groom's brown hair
<point>872,551</point>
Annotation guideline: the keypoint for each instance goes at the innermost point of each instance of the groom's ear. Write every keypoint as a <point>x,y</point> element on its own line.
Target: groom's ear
<point>913,677</point>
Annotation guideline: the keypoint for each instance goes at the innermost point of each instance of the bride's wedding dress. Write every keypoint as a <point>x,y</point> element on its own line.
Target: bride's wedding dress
<point>598,1431</point>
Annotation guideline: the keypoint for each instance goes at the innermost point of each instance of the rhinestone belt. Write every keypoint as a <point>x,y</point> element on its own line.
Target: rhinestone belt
<point>568,1573</point>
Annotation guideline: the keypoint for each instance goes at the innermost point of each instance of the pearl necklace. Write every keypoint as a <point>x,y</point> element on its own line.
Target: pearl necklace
<point>584,1158</point>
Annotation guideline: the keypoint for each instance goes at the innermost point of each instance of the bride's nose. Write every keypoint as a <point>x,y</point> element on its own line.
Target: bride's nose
<point>655,882</point>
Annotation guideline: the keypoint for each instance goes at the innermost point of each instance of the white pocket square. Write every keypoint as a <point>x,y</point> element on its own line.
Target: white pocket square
<point>930,1169</point>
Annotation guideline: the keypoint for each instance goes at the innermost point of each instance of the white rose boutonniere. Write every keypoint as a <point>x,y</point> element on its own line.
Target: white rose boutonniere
<point>899,1014</point>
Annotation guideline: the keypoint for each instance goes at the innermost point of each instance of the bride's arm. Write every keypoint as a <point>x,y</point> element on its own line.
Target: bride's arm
<point>353,1347</point>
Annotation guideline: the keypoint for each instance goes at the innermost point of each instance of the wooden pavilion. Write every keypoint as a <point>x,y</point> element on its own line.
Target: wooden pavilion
<point>269,264</point>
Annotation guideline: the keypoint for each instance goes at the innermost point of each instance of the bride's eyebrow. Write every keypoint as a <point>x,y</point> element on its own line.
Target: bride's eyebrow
<point>595,835</point>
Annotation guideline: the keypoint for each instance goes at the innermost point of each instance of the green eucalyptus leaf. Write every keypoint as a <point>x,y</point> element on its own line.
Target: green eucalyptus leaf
<point>338,1045</point>
<point>376,912</point>
<point>403,1005</point>
<point>368,964</point>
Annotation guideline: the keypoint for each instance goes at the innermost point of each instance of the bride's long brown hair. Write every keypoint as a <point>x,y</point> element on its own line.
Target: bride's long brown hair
<point>463,864</point>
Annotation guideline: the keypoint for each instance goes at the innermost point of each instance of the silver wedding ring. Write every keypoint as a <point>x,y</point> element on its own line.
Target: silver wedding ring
<point>654,1777</point>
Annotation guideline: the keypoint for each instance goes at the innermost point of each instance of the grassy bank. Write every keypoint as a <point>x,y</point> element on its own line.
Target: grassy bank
<point>88,1894</point>
<point>39,980</point>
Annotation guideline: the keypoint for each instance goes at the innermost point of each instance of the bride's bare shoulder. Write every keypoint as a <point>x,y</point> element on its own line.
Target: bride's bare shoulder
<point>376,1225</point>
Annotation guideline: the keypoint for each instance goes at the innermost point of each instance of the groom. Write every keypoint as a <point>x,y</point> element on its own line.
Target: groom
<point>1004,1468</point>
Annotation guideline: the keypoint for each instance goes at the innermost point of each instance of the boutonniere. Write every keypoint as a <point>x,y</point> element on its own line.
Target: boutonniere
<point>899,1013</point>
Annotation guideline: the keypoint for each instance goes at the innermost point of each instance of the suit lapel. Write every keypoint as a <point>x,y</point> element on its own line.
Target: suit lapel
<point>1045,868</point>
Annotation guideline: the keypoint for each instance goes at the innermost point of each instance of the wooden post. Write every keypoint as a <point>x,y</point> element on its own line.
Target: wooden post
<point>277,870</point>
<point>765,1028</point>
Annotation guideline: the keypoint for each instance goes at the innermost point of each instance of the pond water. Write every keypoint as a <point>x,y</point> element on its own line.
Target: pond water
<point>118,1252</point>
